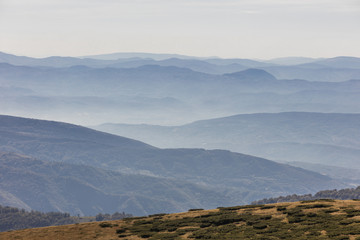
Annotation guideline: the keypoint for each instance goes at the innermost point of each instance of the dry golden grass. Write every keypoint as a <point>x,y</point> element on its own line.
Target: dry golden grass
<point>108,230</point>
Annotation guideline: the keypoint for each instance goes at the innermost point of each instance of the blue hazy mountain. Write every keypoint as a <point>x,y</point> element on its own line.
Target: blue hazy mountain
<point>124,55</point>
<point>292,60</point>
<point>163,94</point>
<point>340,62</point>
<point>323,138</point>
<point>33,184</point>
<point>234,177</point>
<point>332,69</point>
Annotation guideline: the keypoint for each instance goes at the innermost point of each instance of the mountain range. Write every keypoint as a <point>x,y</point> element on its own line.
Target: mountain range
<point>70,164</point>
<point>322,138</point>
<point>171,91</point>
<point>295,111</point>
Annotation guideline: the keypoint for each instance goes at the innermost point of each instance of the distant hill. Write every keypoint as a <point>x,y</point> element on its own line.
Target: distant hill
<point>315,72</point>
<point>325,219</point>
<point>155,56</point>
<point>238,177</point>
<point>324,138</point>
<point>291,60</point>
<point>342,194</point>
<point>252,75</point>
<point>347,174</point>
<point>54,61</point>
<point>341,62</point>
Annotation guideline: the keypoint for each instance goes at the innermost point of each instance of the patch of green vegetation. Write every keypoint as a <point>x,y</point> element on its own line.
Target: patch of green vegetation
<point>121,230</point>
<point>195,209</point>
<point>105,225</point>
<point>240,207</point>
<point>281,208</point>
<point>227,223</point>
<point>267,207</point>
<point>318,205</point>
<point>158,215</point>
<point>318,200</point>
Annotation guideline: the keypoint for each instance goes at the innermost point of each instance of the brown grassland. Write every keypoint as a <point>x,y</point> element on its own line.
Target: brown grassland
<point>320,219</point>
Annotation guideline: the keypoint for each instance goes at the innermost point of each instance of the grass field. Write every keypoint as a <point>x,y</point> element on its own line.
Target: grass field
<point>321,219</point>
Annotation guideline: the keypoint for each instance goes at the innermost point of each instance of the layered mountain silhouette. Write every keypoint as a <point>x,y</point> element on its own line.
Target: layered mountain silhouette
<point>147,179</point>
<point>171,93</point>
<point>323,138</point>
<point>55,158</point>
<point>330,69</point>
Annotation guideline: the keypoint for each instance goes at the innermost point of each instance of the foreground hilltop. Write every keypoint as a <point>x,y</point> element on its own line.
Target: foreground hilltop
<point>321,219</point>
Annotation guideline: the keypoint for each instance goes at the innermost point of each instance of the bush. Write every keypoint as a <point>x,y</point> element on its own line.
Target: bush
<point>118,231</point>
<point>105,225</point>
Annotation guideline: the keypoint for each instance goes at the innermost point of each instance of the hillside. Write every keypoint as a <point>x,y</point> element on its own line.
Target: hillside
<point>326,219</point>
<point>342,194</point>
<point>159,180</point>
<point>326,138</point>
<point>14,218</point>
<point>32,184</point>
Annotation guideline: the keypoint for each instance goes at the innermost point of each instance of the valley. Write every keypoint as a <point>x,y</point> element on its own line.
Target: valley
<point>166,135</point>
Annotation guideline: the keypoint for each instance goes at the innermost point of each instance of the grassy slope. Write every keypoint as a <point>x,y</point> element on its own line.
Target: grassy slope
<point>327,219</point>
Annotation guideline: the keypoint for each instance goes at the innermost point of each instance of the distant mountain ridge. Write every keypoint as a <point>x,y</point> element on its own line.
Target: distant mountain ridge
<point>252,74</point>
<point>325,138</point>
<point>155,56</point>
<point>342,68</point>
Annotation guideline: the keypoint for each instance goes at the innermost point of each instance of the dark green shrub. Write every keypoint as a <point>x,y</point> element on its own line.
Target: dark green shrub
<point>260,226</point>
<point>105,225</point>
<point>146,235</point>
<point>331,210</point>
<point>267,207</point>
<point>295,219</point>
<point>118,231</point>
<point>265,217</point>
<point>158,215</point>
<point>239,207</point>
<point>281,208</point>
<point>204,225</point>
<point>346,222</point>
<point>311,215</point>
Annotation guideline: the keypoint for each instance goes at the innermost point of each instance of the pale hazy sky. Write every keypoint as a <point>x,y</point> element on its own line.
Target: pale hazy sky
<point>226,28</point>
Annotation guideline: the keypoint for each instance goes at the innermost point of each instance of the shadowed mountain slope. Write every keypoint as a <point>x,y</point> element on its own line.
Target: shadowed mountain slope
<point>327,138</point>
<point>241,177</point>
<point>78,189</point>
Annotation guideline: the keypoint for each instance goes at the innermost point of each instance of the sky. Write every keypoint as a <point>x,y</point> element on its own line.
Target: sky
<point>256,29</point>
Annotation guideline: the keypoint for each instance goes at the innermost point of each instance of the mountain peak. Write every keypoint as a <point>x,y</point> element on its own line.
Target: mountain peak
<point>252,74</point>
